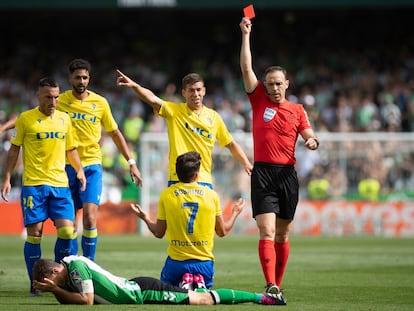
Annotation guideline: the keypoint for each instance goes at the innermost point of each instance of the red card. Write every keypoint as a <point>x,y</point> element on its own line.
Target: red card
<point>249,11</point>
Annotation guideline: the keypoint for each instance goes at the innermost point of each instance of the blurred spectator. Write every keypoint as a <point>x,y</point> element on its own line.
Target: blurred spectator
<point>132,126</point>
<point>155,124</point>
<point>318,186</point>
<point>369,189</point>
<point>319,189</point>
<point>390,113</point>
<point>237,122</point>
<point>368,118</point>
<point>170,93</point>
<point>109,152</point>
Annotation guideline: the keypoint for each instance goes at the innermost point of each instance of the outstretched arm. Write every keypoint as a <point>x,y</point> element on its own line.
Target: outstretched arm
<point>157,228</point>
<point>249,77</point>
<point>223,227</point>
<point>240,156</point>
<point>144,94</point>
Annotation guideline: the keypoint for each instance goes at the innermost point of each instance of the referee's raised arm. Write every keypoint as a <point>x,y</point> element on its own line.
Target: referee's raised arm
<point>246,67</point>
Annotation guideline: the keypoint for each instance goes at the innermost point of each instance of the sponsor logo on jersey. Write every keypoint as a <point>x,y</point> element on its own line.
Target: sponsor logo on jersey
<point>50,135</point>
<point>82,116</point>
<point>202,132</point>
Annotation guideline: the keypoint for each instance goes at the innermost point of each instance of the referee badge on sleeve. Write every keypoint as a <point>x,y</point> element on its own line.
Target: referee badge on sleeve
<point>269,114</point>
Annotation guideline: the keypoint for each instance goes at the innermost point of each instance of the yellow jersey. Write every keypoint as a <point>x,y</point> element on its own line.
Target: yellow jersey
<point>88,117</point>
<point>190,211</point>
<point>189,131</point>
<point>44,140</point>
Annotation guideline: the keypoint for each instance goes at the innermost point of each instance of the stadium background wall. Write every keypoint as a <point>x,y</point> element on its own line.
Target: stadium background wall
<point>327,218</point>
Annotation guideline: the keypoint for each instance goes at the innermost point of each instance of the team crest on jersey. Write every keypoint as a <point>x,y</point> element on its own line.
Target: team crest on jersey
<point>94,106</point>
<point>74,275</point>
<point>269,114</point>
<point>39,121</point>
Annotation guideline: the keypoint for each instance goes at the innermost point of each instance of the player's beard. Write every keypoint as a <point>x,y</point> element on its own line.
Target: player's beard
<point>80,89</point>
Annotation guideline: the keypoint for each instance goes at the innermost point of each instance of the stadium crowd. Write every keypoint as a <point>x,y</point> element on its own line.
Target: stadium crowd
<point>360,79</point>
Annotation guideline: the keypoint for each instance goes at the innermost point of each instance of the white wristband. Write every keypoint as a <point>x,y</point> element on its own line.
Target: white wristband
<point>131,162</point>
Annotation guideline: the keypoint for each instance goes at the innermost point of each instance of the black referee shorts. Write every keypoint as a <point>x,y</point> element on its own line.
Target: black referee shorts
<point>274,189</point>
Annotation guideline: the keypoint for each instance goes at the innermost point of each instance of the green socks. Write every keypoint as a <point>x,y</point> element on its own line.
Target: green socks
<point>231,296</point>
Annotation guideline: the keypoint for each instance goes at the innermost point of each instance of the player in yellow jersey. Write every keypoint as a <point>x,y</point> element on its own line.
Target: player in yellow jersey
<point>191,126</point>
<point>46,137</point>
<point>90,114</point>
<point>190,216</point>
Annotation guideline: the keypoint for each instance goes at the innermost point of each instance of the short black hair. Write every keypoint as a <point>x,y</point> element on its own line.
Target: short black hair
<point>187,165</point>
<point>79,63</point>
<point>47,81</point>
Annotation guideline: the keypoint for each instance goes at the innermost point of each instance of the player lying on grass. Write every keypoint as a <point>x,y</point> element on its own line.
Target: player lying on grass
<point>78,280</point>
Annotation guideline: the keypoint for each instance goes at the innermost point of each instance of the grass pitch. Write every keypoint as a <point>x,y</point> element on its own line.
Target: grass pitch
<point>341,273</point>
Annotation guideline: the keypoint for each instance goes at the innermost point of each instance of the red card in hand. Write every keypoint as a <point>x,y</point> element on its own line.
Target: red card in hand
<point>249,11</point>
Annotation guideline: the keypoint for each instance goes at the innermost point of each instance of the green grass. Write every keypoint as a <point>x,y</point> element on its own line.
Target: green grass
<point>350,273</point>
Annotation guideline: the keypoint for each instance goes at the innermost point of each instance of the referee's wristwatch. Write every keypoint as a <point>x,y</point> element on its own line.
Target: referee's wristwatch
<point>316,141</point>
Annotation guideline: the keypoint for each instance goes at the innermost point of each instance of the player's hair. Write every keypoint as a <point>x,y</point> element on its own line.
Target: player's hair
<point>79,63</point>
<point>42,268</point>
<point>47,81</point>
<point>191,78</point>
<point>187,165</point>
<point>276,68</point>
